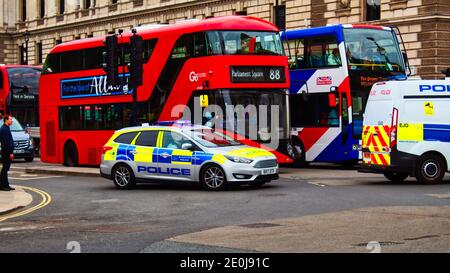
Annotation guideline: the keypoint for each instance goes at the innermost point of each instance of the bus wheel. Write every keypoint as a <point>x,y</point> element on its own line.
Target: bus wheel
<point>396,177</point>
<point>212,178</point>
<point>70,155</point>
<point>431,169</point>
<point>123,177</point>
<point>298,154</point>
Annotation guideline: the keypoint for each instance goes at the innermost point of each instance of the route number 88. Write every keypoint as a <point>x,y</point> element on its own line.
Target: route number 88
<point>275,75</point>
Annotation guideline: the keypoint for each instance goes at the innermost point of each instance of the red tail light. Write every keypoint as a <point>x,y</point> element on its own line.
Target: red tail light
<point>394,126</point>
<point>105,149</point>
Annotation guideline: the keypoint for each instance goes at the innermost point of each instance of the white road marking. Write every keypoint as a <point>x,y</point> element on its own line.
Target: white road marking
<point>106,201</point>
<point>33,178</point>
<point>317,184</point>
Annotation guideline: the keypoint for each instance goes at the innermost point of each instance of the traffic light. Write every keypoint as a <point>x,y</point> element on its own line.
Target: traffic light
<point>136,60</point>
<point>110,57</point>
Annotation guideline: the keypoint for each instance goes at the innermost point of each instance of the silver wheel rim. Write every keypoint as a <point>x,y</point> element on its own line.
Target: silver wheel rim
<point>214,177</point>
<point>430,169</point>
<point>122,176</point>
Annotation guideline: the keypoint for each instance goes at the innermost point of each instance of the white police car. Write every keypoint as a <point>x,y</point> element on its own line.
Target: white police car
<point>156,153</point>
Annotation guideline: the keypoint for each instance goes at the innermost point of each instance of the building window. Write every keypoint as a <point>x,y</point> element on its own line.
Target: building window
<point>39,53</point>
<point>373,10</point>
<point>62,6</point>
<point>87,4</point>
<point>23,15</point>
<point>41,8</point>
<point>58,41</point>
<point>113,2</point>
<point>22,54</point>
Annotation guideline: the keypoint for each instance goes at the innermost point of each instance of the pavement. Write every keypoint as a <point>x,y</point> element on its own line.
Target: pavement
<point>38,167</point>
<point>410,229</point>
<point>14,200</point>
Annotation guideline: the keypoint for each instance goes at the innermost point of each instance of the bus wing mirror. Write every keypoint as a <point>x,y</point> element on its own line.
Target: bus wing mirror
<point>332,100</point>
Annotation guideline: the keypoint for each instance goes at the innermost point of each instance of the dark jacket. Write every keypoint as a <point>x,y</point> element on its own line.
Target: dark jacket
<point>6,140</point>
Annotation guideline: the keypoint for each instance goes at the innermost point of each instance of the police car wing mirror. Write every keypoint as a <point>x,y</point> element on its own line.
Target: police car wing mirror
<point>186,146</point>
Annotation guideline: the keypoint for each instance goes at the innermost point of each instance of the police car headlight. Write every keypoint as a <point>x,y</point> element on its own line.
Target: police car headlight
<point>237,159</point>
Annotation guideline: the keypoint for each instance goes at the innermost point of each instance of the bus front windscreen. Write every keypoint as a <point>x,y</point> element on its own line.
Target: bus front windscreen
<point>246,42</point>
<point>373,50</point>
<point>24,82</point>
<point>256,114</point>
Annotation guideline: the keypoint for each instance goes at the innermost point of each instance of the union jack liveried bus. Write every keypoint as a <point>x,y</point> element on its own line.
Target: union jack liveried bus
<point>224,61</point>
<point>332,70</point>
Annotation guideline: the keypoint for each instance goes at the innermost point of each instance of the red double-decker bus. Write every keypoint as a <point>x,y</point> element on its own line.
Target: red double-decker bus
<point>225,61</point>
<point>19,92</point>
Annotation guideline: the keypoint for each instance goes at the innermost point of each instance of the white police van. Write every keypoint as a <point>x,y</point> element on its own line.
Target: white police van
<point>406,130</point>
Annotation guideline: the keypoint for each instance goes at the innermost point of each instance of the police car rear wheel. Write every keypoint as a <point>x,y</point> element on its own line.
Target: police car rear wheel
<point>431,169</point>
<point>213,178</point>
<point>123,177</point>
<point>396,177</point>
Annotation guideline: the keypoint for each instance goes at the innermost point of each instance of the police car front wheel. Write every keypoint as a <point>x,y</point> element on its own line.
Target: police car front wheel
<point>213,178</point>
<point>123,177</point>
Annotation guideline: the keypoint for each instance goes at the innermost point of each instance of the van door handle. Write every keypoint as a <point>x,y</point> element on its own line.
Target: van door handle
<point>133,152</point>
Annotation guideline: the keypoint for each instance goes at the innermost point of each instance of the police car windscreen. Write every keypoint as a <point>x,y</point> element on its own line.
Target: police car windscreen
<point>212,139</point>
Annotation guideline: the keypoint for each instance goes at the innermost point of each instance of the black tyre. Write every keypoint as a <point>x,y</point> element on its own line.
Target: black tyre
<point>350,164</point>
<point>396,177</point>
<point>431,169</point>
<point>298,154</point>
<point>29,159</point>
<point>70,154</point>
<point>212,178</point>
<point>123,177</point>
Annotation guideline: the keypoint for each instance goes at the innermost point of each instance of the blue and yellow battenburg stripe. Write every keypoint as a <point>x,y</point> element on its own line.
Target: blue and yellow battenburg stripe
<point>164,156</point>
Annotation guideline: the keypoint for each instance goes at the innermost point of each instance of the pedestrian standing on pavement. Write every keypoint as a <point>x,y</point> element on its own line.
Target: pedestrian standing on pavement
<point>7,143</point>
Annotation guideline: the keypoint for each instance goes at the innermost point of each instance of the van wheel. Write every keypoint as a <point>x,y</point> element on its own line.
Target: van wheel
<point>123,177</point>
<point>212,178</point>
<point>431,169</point>
<point>70,154</point>
<point>396,177</point>
<point>299,155</point>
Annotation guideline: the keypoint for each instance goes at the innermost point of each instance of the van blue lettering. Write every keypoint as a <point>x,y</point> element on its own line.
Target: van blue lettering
<point>434,88</point>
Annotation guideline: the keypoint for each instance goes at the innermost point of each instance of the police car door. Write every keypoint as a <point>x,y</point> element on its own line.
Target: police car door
<point>146,163</point>
<point>174,162</point>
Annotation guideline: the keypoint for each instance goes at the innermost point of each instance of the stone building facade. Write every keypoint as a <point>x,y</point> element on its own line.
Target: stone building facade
<point>424,24</point>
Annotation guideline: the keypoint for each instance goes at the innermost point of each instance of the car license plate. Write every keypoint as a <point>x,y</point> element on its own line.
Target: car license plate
<point>19,151</point>
<point>269,171</point>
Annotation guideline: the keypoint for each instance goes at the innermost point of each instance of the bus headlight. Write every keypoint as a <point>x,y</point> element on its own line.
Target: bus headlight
<point>237,159</point>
